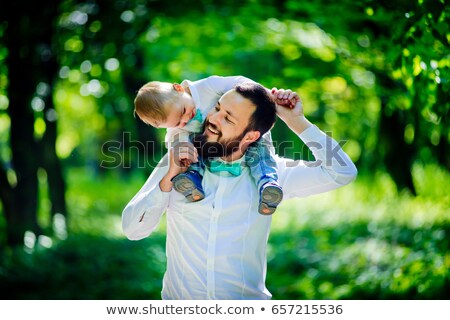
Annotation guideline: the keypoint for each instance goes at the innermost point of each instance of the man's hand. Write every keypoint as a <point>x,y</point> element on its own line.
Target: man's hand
<point>290,109</point>
<point>181,156</point>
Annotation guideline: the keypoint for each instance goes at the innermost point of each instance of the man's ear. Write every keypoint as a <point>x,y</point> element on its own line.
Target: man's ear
<point>251,136</point>
<point>178,87</point>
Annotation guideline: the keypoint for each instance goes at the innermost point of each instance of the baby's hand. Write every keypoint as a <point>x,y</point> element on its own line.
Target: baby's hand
<point>182,155</point>
<point>289,104</point>
<point>285,98</point>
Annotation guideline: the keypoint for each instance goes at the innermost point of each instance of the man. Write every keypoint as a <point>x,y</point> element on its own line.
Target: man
<point>216,248</point>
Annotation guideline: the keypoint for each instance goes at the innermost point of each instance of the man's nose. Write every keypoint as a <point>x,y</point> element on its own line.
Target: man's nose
<point>214,119</point>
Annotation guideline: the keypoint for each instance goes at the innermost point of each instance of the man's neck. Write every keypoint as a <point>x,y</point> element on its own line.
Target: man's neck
<point>234,156</point>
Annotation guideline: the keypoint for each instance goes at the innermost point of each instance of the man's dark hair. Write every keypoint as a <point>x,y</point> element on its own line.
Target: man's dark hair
<point>264,115</point>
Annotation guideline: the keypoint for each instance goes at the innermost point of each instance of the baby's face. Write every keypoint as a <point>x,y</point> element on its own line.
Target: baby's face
<point>179,112</point>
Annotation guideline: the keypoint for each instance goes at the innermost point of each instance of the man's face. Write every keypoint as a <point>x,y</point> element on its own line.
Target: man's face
<point>229,119</point>
<point>226,126</point>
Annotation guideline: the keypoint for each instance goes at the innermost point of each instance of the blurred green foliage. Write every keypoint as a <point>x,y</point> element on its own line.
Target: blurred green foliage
<point>372,73</point>
<point>86,267</point>
<point>365,241</point>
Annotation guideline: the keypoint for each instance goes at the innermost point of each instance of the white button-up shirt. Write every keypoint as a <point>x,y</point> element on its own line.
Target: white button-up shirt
<point>216,247</point>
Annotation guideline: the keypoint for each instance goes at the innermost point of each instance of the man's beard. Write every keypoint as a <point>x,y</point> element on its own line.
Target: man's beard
<point>210,149</point>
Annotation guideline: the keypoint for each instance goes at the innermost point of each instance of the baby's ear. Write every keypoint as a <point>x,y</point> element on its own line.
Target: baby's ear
<point>178,87</point>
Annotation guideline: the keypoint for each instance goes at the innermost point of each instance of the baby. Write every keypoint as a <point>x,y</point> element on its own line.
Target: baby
<point>181,108</point>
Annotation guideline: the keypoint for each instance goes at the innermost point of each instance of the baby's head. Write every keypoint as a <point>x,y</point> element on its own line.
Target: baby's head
<point>164,105</point>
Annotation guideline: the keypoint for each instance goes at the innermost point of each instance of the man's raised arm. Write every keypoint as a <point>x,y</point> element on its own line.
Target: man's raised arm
<point>332,167</point>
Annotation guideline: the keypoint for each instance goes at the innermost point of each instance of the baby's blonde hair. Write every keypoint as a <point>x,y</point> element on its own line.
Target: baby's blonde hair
<point>151,98</point>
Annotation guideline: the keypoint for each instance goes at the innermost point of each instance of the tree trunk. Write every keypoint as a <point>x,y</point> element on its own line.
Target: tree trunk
<point>23,146</point>
<point>7,199</point>
<point>29,24</point>
<point>398,155</point>
<point>51,164</point>
<point>50,161</point>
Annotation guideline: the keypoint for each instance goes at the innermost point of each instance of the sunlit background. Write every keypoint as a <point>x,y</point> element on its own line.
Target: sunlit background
<point>372,74</point>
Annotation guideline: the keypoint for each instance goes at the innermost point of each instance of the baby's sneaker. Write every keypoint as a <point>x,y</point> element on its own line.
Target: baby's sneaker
<point>270,197</point>
<point>190,185</point>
